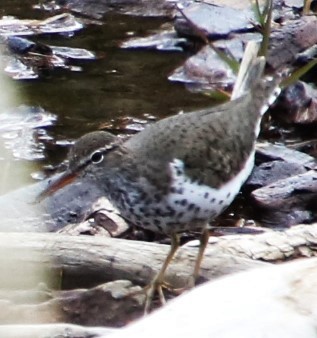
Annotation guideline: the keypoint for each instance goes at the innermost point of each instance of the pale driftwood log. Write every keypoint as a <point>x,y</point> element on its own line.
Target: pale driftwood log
<point>27,259</point>
<point>53,330</point>
<point>271,246</point>
<point>73,258</point>
<point>85,259</point>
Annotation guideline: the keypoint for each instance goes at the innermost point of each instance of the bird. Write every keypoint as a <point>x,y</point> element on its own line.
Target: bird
<point>181,172</point>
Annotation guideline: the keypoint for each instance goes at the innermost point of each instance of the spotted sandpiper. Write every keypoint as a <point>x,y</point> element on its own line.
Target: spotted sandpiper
<point>180,172</point>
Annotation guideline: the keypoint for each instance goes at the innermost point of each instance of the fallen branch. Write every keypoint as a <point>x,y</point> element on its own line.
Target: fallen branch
<point>271,246</point>
<point>86,260</point>
<point>63,261</point>
<point>83,260</point>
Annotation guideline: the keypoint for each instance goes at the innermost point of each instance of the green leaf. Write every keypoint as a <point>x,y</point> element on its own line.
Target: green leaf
<point>295,76</point>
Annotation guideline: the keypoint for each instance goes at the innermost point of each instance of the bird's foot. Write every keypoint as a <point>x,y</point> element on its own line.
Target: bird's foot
<point>189,285</point>
<point>150,290</point>
<point>156,286</point>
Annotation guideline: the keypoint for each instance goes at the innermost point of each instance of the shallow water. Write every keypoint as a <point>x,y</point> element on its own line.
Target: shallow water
<point>119,84</point>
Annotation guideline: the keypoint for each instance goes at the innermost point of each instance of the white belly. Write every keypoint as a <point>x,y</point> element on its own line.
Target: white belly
<point>188,205</point>
<point>204,202</point>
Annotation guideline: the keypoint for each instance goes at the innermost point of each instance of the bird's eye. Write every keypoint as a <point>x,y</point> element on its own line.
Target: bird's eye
<point>96,157</point>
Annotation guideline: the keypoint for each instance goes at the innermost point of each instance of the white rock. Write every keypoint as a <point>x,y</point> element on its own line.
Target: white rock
<point>278,301</point>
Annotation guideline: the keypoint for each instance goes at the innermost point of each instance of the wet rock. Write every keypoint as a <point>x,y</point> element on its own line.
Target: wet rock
<point>242,4</point>
<point>73,53</point>
<point>75,203</point>
<point>206,18</point>
<point>166,41</point>
<point>22,46</point>
<point>293,3</point>
<point>207,70</point>
<point>21,211</point>
<point>291,39</point>
<point>272,152</point>
<point>30,60</point>
<point>267,173</point>
<point>297,104</point>
<point>63,23</point>
<point>204,70</point>
<point>111,304</point>
<point>283,218</point>
<point>98,8</point>
<point>288,201</point>
<point>151,8</point>
<point>284,186</point>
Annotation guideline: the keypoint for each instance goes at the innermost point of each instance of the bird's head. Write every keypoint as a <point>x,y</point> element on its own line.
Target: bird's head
<point>87,157</point>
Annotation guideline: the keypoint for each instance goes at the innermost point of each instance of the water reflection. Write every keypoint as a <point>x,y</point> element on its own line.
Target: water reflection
<point>119,85</point>
<point>23,132</point>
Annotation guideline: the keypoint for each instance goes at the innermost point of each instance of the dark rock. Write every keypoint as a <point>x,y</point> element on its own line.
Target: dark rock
<point>288,201</point>
<point>291,39</point>
<point>19,45</point>
<point>207,70</point>
<point>62,23</point>
<point>271,152</point>
<point>206,18</point>
<point>307,55</point>
<point>107,304</point>
<point>283,218</point>
<point>98,8</point>
<point>167,41</point>
<point>297,104</point>
<point>267,173</point>
<point>204,70</point>
<point>20,212</point>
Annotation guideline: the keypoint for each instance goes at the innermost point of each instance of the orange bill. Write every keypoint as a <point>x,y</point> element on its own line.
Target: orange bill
<point>62,181</point>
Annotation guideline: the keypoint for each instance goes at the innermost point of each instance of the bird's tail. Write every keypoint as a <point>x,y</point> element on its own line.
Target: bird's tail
<point>250,79</point>
<point>250,71</point>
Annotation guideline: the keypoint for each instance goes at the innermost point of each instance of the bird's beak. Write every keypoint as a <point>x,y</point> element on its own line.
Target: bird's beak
<point>66,178</point>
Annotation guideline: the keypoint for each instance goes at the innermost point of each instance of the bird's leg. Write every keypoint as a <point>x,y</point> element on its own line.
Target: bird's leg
<point>158,282</point>
<point>203,241</point>
<point>204,237</point>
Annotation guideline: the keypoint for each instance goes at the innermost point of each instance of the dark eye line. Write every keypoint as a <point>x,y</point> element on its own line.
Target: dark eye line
<point>85,163</point>
<point>102,152</point>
